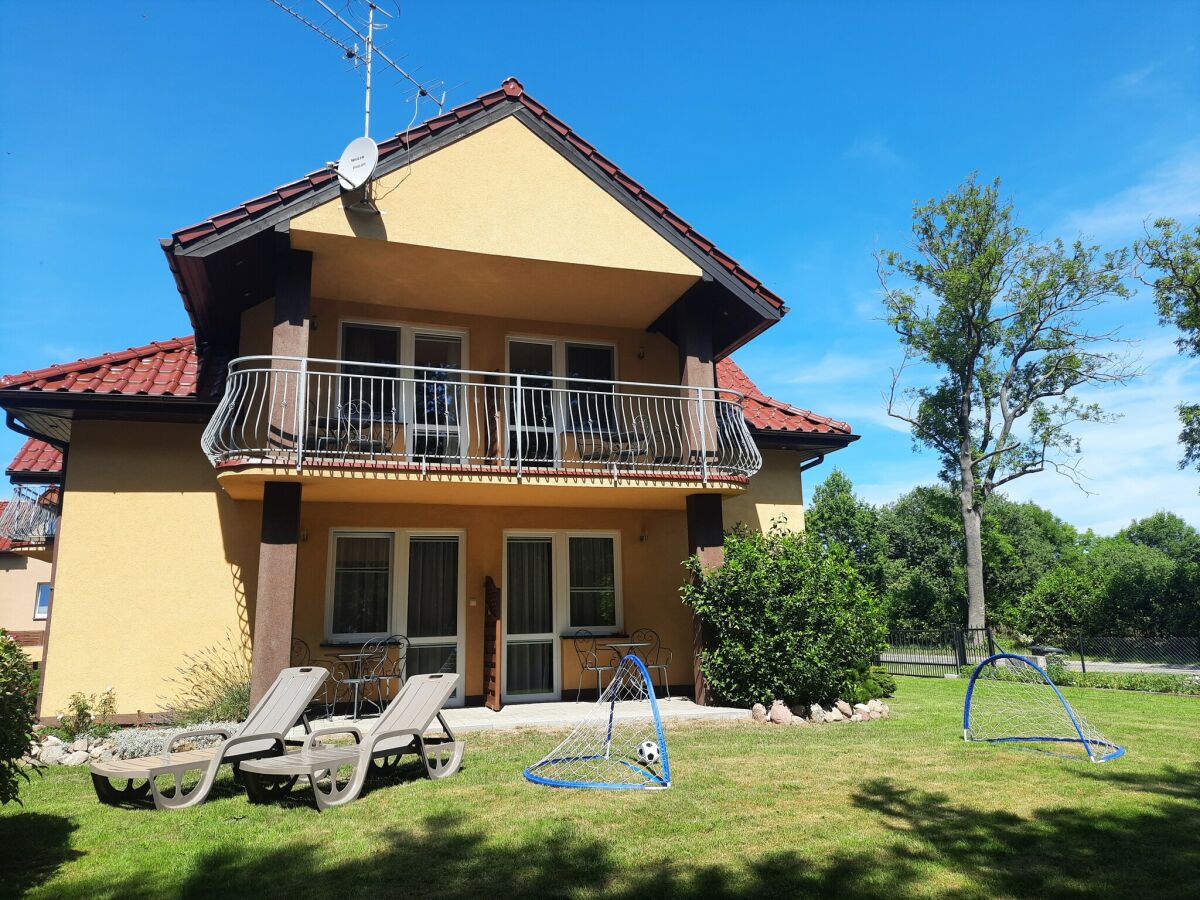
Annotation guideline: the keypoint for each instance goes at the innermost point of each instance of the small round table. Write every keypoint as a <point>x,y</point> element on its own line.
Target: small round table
<point>356,659</point>
<point>621,648</point>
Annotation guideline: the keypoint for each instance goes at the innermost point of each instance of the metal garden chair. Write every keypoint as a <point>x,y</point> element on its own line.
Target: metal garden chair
<point>655,656</point>
<point>589,661</point>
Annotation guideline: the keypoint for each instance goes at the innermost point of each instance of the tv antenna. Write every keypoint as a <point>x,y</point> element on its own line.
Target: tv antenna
<point>358,160</point>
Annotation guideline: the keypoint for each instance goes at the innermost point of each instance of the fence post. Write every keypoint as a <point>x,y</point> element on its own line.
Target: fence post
<point>1082,660</point>
<point>991,643</point>
<point>960,646</point>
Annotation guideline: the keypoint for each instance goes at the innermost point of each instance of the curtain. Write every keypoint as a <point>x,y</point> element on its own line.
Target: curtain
<point>528,668</point>
<point>593,582</point>
<point>530,592</point>
<point>362,584</point>
<point>433,587</point>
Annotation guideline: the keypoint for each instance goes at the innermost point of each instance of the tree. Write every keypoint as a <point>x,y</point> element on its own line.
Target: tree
<point>1006,333</point>
<point>837,516</point>
<point>1174,253</point>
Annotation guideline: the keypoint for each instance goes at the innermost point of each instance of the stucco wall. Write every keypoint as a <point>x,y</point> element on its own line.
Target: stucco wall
<point>19,578</point>
<point>775,492</point>
<point>154,562</point>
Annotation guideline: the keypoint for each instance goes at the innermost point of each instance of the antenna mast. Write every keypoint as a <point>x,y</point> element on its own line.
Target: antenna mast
<point>366,56</point>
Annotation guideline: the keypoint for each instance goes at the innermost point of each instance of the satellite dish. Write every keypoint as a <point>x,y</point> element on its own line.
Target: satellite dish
<point>357,163</point>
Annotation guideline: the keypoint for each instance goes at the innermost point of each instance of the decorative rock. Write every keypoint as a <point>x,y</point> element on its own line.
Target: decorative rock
<point>79,744</point>
<point>51,753</point>
<point>758,712</point>
<point>50,741</point>
<point>780,714</point>
<point>105,755</point>
<point>874,705</point>
<point>816,713</point>
<point>886,711</point>
<point>799,720</point>
<point>78,758</point>
<point>875,714</point>
<point>844,708</point>
<point>799,710</point>
<point>834,715</point>
<point>862,709</point>
<point>856,718</point>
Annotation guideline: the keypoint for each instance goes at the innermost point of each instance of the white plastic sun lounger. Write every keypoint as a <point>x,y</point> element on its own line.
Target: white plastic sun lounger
<point>400,730</point>
<point>262,734</point>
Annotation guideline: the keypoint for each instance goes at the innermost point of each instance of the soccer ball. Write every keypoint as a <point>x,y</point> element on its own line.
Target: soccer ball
<point>648,753</point>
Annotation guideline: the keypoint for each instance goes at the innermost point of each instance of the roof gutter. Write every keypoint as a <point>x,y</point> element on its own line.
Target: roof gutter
<point>11,421</point>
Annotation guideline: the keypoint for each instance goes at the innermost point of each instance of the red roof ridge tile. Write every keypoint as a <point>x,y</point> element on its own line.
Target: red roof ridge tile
<point>513,90</point>
<point>156,349</point>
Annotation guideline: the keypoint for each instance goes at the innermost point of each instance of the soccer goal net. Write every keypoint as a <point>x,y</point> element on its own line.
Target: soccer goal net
<point>1011,699</point>
<point>619,744</point>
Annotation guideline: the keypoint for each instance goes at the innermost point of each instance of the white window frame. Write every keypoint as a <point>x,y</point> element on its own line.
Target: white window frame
<point>561,626</point>
<point>49,599</point>
<point>398,591</point>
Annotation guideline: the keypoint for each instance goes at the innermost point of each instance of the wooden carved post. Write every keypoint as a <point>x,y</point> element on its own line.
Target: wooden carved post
<point>493,645</point>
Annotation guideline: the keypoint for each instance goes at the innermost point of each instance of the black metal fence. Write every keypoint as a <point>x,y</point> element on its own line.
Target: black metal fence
<point>936,653</point>
<point>940,652</point>
<point>1128,653</point>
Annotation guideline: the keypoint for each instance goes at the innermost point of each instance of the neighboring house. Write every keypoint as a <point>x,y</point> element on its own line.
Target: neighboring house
<point>28,521</point>
<point>487,403</point>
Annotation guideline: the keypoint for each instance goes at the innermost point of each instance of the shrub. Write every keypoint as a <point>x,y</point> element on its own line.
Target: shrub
<point>1147,682</point>
<point>785,618</point>
<point>869,683</point>
<point>87,714</point>
<point>18,701</point>
<point>212,685</point>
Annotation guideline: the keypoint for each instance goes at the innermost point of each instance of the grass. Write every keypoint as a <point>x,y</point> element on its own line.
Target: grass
<point>893,809</point>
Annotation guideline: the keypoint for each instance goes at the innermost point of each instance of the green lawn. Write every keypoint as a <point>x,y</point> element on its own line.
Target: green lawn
<point>890,809</point>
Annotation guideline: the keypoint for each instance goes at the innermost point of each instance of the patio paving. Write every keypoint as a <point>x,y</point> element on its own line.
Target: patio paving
<point>562,714</point>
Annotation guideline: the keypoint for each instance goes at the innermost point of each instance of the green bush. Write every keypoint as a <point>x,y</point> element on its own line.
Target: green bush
<point>1147,682</point>
<point>18,702</point>
<point>869,683</point>
<point>87,715</point>
<point>212,685</point>
<point>785,618</point>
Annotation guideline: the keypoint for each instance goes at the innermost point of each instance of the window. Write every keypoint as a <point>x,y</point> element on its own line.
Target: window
<point>41,604</point>
<point>362,585</point>
<point>593,576</point>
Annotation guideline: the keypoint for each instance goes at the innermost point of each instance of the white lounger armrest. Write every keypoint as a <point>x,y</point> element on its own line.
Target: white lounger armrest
<point>187,735</point>
<point>374,738</point>
<point>311,738</point>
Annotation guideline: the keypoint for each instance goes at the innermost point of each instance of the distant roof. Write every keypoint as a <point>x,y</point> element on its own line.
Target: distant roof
<point>5,543</point>
<point>160,369</point>
<point>34,461</point>
<point>513,91</point>
<point>768,414</point>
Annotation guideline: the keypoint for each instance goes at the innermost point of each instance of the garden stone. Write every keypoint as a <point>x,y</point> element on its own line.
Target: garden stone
<point>79,744</point>
<point>758,712</point>
<point>816,713</point>
<point>834,715</point>
<point>51,754</point>
<point>105,755</point>
<point>875,714</point>
<point>780,714</point>
<point>886,711</point>
<point>874,705</point>
<point>844,708</point>
<point>862,709</point>
<point>856,718</point>
<point>50,740</point>
<point>799,720</point>
<point>78,758</point>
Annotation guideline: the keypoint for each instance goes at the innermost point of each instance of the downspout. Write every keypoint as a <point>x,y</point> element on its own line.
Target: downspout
<point>11,421</point>
<point>812,464</point>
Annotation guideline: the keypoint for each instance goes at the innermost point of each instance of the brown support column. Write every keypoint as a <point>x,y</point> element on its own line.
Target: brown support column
<point>704,524</point>
<point>289,337</point>
<point>275,603</point>
<point>706,539</point>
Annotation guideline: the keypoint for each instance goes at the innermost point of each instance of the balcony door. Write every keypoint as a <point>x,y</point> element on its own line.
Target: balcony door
<point>565,388</point>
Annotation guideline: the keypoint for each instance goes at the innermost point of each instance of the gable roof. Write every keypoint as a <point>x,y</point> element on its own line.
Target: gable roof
<point>511,91</point>
<point>159,369</point>
<point>764,413</point>
<point>35,461</point>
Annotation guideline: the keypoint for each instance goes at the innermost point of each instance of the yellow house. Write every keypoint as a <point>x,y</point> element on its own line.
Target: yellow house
<point>485,402</point>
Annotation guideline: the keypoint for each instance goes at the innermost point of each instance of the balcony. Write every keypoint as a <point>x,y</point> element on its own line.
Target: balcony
<point>310,417</point>
<point>30,518</point>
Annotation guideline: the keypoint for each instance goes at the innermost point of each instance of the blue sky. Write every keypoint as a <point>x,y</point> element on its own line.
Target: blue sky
<point>795,135</point>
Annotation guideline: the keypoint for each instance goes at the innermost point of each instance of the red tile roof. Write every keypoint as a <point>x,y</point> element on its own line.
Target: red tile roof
<point>511,90</point>
<point>36,458</point>
<point>767,413</point>
<point>159,369</point>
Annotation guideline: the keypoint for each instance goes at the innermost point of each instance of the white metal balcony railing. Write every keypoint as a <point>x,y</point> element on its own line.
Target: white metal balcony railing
<point>311,413</point>
<point>30,516</point>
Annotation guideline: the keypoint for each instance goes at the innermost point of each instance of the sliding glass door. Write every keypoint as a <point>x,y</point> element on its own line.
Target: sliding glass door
<point>432,615</point>
<point>530,639</point>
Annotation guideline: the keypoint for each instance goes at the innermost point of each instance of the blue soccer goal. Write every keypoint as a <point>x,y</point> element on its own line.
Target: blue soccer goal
<point>619,745</point>
<point>1011,699</point>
